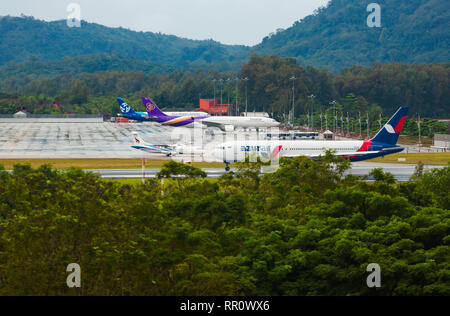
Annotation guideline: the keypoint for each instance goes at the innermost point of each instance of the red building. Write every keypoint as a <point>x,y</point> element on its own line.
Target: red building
<point>210,106</point>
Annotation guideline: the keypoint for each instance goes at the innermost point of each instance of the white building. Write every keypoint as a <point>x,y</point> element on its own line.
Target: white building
<point>20,114</point>
<point>442,141</point>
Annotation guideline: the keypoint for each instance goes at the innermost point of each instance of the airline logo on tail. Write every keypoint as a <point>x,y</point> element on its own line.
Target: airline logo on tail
<point>398,128</point>
<point>125,108</point>
<point>149,106</point>
<point>390,129</point>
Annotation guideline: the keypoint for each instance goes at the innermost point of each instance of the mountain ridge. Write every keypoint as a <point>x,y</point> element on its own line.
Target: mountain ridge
<point>337,36</point>
<point>334,37</point>
<point>49,41</point>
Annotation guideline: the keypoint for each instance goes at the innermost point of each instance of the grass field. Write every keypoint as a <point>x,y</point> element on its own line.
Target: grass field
<point>435,159</point>
<point>414,140</point>
<point>97,163</point>
<point>428,159</point>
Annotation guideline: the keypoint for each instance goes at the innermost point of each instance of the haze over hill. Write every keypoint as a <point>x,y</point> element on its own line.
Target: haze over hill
<point>334,37</point>
<point>414,31</point>
<point>23,37</point>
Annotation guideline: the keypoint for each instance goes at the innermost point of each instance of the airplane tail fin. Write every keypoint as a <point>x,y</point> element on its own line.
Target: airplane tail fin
<point>137,140</point>
<point>276,152</point>
<point>125,108</point>
<point>390,133</point>
<point>151,108</point>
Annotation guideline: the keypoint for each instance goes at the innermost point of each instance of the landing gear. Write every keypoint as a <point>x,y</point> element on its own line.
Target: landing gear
<point>227,167</point>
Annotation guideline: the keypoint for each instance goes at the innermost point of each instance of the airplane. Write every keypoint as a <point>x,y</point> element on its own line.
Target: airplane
<point>383,144</point>
<point>129,113</point>
<point>159,116</point>
<point>140,144</point>
<point>167,150</point>
<point>225,123</point>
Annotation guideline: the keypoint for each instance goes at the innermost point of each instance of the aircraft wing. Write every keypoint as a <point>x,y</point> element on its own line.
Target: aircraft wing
<point>213,124</point>
<point>348,154</point>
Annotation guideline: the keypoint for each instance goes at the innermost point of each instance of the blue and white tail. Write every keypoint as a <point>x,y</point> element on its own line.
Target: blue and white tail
<point>137,140</point>
<point>151,108</point>
<point>125,108</point>
<point>390,133</point>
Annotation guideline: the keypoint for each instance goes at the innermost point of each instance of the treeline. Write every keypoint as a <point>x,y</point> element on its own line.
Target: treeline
<point>376,89</point>
<point>304,230</point>
<point>379,89</point>
<point>34,68</point>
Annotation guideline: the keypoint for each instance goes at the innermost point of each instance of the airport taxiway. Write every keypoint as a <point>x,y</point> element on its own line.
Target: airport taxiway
<point>401,172</point>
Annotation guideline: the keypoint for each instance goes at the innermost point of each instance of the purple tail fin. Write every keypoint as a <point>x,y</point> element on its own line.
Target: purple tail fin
<point>151,108</point>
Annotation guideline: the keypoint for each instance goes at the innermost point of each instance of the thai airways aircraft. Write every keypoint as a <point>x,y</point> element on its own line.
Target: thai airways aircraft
<point>384,143</point>
<point>225,123</point>
<point>129,113</point>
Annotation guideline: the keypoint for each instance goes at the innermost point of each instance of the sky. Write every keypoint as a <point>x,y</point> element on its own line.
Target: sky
<point>244,22</point>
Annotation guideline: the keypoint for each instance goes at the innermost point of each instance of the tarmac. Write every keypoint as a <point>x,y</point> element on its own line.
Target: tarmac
<point>401,173</point>
<point>106,140</point>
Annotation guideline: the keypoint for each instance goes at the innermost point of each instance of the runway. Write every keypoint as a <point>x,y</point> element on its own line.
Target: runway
<point>401,173</point>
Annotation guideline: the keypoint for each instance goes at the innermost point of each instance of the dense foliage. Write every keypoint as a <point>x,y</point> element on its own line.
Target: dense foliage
<point>379,89</point>
<point>22,37</point>
<point>337,36</point>
<point>334,37</point>
<point>303,230</point>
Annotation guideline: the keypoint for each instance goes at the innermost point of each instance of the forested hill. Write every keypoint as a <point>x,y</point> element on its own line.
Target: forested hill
<point>24,37</point>
<point>337,36</point>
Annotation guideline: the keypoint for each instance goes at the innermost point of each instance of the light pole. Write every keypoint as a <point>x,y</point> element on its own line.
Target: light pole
<point>221,91</point>
<point>348,124</point>
<point>246,96</point>
<point>312,97</point>
<point>420,131</point>
<point>214,81</point>
<point>333,103</point>
<point>321,121</point>
<point>237,92</point>
<point>368,126</point>
<point>360,126</point>
<point>293,100</point>
<point>228,89</point>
